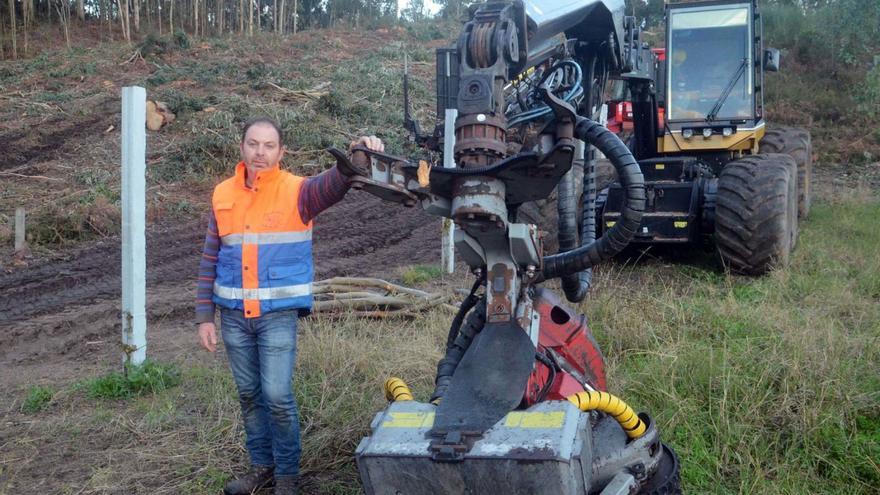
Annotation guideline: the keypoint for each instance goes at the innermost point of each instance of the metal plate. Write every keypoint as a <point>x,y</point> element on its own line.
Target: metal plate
<point>488,382</point>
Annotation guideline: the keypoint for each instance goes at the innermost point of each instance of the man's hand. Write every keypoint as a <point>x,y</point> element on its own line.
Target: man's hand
<point>208,336</point>
<point>370,142</point>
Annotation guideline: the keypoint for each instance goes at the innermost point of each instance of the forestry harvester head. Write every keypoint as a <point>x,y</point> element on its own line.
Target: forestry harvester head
<point>521,402</point>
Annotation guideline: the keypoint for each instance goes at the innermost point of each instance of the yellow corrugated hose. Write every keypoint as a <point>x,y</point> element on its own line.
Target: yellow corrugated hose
<point>397,390</point>
<point>610,404</point>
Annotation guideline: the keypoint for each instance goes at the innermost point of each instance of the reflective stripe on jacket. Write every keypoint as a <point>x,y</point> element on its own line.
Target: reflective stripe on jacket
<point>265,258</point>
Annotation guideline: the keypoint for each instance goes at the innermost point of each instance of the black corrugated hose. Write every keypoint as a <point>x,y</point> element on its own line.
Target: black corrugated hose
<point>633,183</point>
<point>576,286</point>
<point>460,338</point>
<point>567,233</point>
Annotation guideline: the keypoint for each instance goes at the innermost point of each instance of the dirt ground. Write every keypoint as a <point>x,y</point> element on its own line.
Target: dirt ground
<point>57,313</point>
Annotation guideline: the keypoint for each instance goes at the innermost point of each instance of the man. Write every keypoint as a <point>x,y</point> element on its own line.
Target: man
<point>257,267</point>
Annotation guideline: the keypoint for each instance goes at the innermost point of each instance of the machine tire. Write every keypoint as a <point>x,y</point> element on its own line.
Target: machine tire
<point>543,212</point>
<point>667,479</point>
<point>796,142</point>
<point>756,213</point>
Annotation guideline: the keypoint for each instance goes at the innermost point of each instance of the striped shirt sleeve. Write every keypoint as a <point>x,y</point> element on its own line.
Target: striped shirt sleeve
<point>207,273</point>
<point>321,192</point>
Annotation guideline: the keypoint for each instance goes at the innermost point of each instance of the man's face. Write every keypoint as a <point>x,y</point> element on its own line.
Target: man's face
<point>260,149</point>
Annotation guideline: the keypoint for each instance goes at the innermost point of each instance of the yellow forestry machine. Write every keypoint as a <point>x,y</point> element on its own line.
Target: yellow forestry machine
<point>713,169</point>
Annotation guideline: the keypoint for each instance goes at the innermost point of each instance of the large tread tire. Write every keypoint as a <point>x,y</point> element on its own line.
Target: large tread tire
<point>796,142</point>
<point>667,479</point>
<point>756,213</point>
<point>543,212</point>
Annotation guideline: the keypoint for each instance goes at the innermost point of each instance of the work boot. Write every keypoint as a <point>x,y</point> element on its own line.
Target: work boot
<point>286,485</point>
<point>258,477</point>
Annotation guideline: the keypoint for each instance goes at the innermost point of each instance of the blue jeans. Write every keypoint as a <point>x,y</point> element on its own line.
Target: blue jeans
<point>261,354</point>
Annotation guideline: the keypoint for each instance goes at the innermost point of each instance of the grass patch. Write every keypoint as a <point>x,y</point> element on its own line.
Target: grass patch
<point>420,274</point>
<point>38,398</point>
<point>148,378</point>
<point>762,385</point>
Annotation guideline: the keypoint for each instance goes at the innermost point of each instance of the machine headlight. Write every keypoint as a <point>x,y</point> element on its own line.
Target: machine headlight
<point>687,133</point>
<point>707,132</point>
<point>727,132</point>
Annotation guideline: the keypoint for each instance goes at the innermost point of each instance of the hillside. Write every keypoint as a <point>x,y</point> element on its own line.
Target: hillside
<point>761,385</point>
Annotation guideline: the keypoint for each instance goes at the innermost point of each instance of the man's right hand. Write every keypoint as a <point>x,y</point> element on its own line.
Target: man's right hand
<point>208,336</point>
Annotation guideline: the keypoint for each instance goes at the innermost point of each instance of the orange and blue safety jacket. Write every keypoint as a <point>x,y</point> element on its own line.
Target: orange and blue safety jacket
<point>258,249</point>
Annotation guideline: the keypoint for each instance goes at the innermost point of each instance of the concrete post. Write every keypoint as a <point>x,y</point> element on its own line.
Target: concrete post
<point>19,229</point>
<point>447,243</point>
<point>134,266</point>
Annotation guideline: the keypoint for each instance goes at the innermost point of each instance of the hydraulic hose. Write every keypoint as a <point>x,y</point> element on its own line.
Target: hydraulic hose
<point>464,336</point>
<point>594,400</point>
<point>615,239</point>
<point>469,302</point>
<point>576,286</point>
<point>397,390</point>
<point>566,208</point>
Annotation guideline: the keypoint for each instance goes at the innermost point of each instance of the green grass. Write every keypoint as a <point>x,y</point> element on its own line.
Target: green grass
<point>38,398</point>
<point>764,385</point>
<point>420,274</point>
<point>148,378</point>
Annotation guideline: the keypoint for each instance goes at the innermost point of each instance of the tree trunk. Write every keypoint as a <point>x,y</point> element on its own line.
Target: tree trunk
<point>137,15</point>
<point>281,18</point>
<point>250,17</point>
<point>26,7</point>
<point>12,28</point>
<point>195,14</point>
<point>171,17</point>
<point>124,19</point>
<point>62,7</point>
<point>295,14</point>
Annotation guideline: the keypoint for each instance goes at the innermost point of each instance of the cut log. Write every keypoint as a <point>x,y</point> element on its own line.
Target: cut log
<point>158,115</point>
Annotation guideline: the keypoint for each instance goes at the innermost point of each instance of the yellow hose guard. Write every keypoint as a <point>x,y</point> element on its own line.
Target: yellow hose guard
<point>631,423</point>
<point>397,390</point>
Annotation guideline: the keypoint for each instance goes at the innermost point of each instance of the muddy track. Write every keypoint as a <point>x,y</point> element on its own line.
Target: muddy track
<point>55,307</point>
<point>50,138</point>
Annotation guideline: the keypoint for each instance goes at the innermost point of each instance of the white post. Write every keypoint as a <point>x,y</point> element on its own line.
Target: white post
<point>134,265</point>
<point>447,258</point>
<point>19,229</point>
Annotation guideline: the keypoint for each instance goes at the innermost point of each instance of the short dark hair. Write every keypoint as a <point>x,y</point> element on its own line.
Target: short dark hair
<point>266,121</point>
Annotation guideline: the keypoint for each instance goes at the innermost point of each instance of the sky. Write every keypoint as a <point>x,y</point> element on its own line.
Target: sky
<point>430,6</point>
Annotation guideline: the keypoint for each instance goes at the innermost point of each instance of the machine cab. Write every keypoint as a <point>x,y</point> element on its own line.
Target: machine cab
<point>712,81</point>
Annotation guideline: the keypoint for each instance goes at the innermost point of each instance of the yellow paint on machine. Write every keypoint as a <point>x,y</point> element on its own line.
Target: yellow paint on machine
<point>740,141</point>
<point>553,419</point>
<point>409,420</point>
<point>516,419</point>
<point>680,225</point>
